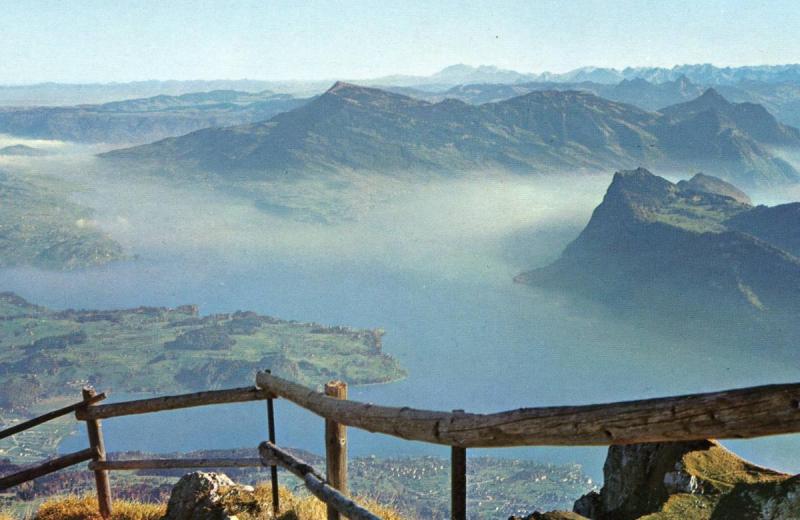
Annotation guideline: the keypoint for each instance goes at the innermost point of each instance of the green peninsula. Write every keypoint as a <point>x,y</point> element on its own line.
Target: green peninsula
<point>46,354</point>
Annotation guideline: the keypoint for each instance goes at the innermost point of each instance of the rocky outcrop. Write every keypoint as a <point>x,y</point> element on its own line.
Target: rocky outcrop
<point>205,496</point>
<point>698,480</point>
<point>656,252</point>
<point>701,183</point>
<point>691,480</point>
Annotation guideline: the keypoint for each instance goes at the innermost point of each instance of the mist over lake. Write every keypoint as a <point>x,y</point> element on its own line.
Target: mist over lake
<point>432,265</point>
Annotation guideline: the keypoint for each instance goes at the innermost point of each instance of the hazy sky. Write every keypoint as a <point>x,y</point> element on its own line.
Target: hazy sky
<point>83,40</point>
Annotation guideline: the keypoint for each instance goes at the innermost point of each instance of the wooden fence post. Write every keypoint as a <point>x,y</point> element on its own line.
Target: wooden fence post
<point>273,470</point>
<point>458,481</point>
<point>458,489</point>
<point>336,447</point>
<point>96,443</point>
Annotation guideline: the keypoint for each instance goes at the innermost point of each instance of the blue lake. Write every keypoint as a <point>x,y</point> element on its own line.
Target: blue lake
<point>478,346</point>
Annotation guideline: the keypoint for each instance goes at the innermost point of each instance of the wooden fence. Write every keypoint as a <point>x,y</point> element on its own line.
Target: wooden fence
<point>740,413</point>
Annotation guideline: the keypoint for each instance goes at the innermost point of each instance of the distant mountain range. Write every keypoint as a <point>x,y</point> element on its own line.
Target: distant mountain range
<point>61,94</point>
<point>704,74</point>
<point>781,99</point>
<point>144,120</point>
<point>50,94</point>
<point>664,251</point>
<point>638,92</point>
<point>158,109</point>
<point>355,128</point>
<point>459,74</point>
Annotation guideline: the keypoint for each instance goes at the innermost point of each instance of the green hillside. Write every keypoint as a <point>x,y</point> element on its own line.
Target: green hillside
<point>40,227</point>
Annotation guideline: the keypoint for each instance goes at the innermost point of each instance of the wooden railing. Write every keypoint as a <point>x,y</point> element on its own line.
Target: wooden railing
<point>741,413</point>
<point>56,464</point>
<point>732,414</point>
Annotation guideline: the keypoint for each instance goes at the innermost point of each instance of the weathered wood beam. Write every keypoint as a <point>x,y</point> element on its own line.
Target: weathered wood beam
<point>314,482</point>
<point>126,465</point>
<point>732,414</point>
<point>49,416</point>
<point>172,402</point>
<point>46,468</point>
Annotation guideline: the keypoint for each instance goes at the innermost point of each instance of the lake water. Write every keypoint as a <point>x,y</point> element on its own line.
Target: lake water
<point>440,286</point>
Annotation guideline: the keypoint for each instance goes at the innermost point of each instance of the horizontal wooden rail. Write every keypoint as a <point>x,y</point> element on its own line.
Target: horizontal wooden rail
<point>46,468</point>
<point>49,416</point>
<point>316,484</point>
<point>124,465</point>
<point>732,414</point>
<point>172,402</point>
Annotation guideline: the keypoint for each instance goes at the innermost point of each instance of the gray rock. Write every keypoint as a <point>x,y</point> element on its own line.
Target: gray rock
<point>589,505</point>
<point>197,496</point>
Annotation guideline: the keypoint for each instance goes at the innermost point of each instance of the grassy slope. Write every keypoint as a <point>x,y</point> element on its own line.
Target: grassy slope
<point>720,472</point>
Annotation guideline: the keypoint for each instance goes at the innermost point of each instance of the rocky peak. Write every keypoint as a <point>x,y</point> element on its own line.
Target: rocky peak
<point>709,101</point>
<point>702,183</point>
<point>340,86</point>
<point>712,98</point>
<point>639,187</point>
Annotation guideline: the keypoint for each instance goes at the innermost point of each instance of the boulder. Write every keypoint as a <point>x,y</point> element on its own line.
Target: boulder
<point>206,496</point>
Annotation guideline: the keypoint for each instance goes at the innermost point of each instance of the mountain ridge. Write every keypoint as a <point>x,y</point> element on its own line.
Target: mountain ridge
<point>352,127</point>
<point>661,251</point>
<point>145,119</point>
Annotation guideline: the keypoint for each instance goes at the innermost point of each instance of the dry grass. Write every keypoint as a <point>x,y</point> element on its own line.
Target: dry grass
<point>258,506</point>
<point>255,505</point>
<point>85,508</point>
